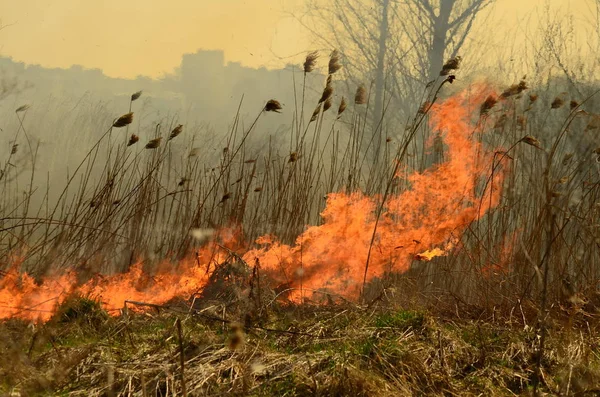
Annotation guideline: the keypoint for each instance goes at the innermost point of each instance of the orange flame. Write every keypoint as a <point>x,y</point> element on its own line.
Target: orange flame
<point>441,202</point>
<point>429,254</point>
<point>21,297</point>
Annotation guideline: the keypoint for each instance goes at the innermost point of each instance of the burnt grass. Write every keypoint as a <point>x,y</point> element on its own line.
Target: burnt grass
<point>377,349</point>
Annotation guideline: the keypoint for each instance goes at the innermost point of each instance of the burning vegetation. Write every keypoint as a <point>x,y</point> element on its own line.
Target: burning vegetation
<point>308,273</point>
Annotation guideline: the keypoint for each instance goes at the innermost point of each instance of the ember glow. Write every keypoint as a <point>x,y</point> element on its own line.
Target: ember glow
<point>420,223</point>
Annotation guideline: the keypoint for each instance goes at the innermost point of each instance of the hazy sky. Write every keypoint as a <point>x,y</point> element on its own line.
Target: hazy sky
<point>147,37</point>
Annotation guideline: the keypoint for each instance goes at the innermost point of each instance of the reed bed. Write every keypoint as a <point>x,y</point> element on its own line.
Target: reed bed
<point>141,194</point>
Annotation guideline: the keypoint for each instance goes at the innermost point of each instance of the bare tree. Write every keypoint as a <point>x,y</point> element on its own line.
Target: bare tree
<point>399,45</point>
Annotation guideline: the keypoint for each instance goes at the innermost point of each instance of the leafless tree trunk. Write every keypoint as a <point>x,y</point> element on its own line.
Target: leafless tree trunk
<point>401,45</point>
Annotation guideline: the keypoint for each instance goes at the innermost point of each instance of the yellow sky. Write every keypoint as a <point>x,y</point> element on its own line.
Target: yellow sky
<point>148,37</point>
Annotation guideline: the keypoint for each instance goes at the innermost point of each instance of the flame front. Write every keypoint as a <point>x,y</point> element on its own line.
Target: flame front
<point>432,213</point>
<point>21,297</point>
<point>440,203</point>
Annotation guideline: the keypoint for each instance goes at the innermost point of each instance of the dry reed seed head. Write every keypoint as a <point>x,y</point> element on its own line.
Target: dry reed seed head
<point>451,64</point>
<point>225,197</point>
<point>329,80</point>
<point>133,140</point>
<point>310,61</point>
<point>176,131</point>
<point>124,120</point>
<point>487,105</point>
<point>22,108</point>
<point>515,89</point>
<point>450,79</point>
<point>559,101</point>
<point>531,140</point>
<point>342,107</point>
<point>154,143</point>
<point>533,98</point>
<point>361,96</point>
<point>194,152</point>
<point>293,157</point>
<point>573,104</point>
<point>273,106</point>
<point>14,148</point>
<point>326,104</point>
<point>334,62</point>
<point>327,92</point>
<point>315,113</point>
<point>136,95</point>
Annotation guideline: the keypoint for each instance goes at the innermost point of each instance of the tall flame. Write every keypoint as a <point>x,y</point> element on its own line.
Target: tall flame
<point>440,203</point>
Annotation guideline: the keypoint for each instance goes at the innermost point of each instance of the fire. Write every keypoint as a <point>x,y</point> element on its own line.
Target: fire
<point>440,203</point>
<point>22,297</point>
<point>429,254</point>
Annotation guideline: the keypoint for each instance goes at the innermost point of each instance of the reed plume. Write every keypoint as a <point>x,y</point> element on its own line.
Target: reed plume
<point>334,62</point>
<point>154,143</point>
<point>310,61</point>
<point>341,108</point>
<point>514,89</point>
<point>124,120</point>
<point>451,64</point>
<point>559,101</point>
<point>361,95</point>
<point>273,106</point>
<point>487,105</point>
<point>136,95</point>
<point>531,140</point>
<point>134,138</point>
<point>176,131</point>
<point>327,92</point>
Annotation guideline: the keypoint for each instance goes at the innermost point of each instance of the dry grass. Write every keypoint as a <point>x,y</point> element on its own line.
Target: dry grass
<point>382,350</point>
<point>514,309</point>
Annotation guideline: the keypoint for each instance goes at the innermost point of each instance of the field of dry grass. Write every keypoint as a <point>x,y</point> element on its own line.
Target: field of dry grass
<point>377,350</point>
<point>457,256</point>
